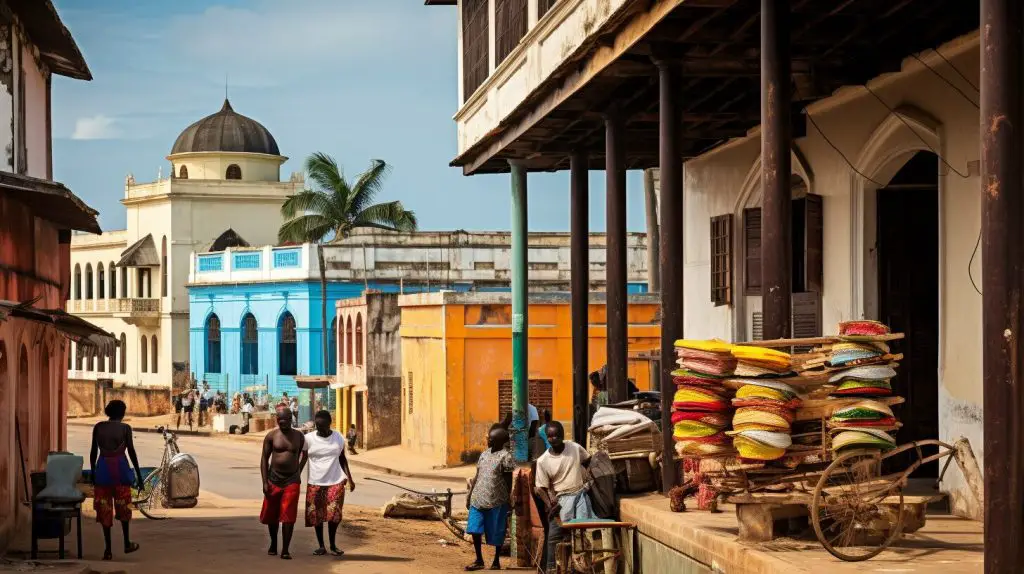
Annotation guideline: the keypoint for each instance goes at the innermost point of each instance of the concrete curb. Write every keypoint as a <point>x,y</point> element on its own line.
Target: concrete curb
<point>455,480</point>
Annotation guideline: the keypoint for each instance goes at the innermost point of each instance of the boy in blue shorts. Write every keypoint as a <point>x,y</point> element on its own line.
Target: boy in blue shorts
<point>488,499</point>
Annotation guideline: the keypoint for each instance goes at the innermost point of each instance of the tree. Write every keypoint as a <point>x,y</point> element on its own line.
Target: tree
<point>333,208</point>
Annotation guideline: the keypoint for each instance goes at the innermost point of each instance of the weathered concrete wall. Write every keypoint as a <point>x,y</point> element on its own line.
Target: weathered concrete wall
<point>83,398</point>
<point>383,370</point>
<point>383,413</point>
<point>89,397</point>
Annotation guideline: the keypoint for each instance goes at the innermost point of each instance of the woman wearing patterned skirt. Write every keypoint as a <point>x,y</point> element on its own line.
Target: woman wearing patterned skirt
<point>328,476</point>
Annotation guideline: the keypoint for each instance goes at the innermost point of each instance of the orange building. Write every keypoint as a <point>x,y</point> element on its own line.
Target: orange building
<point>457,363</point>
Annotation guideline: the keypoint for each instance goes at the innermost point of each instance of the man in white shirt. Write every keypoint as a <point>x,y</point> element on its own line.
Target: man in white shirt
<point>561,485</point>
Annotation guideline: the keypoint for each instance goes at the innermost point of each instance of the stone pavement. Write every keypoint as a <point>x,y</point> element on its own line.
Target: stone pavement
<point>946,544</point>
<point>224,536</point>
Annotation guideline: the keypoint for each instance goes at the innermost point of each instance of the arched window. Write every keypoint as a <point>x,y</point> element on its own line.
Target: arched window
<point>183,172</point>
<point>332,348</point>
<point>101,280</point>
<point>78,282</point>
<point>143,353</point>
<point>88,281</point>
<point>124,282</point>
<point>212,344</point>
<point>113,280</point>
<point>349,358</point>
<point>287,343</point>
<point>359,338</point>
<point>123,348</point>
<point>154,355</point>
<point>233,172</point>
<point>250,346</point>
<point>163,267</point>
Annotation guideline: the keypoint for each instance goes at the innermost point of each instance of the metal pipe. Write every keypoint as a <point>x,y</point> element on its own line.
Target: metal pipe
<point>1002,55</point>
<point>776,195</point>
<point>617,333</point>
<point>579,199</point>
<point>520,373</point>
<point>671,255</point>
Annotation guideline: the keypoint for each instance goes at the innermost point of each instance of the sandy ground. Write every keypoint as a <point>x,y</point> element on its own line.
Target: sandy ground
<point>217,540</point>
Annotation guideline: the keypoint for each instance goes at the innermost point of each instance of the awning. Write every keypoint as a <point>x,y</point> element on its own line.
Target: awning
<point>142,253</point>
<point>74,328</point>
<point>52,201</point>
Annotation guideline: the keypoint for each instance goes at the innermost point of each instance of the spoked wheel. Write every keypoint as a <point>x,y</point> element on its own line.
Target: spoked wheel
<point>149,499</point>
<point>856,514</point>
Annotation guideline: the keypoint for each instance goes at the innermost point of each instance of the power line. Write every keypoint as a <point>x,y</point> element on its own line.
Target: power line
<point>810,118</point>
<point>945,79</point>
<point>958,72</point>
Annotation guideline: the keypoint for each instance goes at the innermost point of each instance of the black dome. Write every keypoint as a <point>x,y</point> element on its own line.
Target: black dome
<point>226,131</point>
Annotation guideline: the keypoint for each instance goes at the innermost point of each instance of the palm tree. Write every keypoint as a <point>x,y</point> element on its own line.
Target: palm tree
<point>333,208</point>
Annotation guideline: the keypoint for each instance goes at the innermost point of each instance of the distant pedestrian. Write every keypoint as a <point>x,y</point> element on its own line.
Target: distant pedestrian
<point>294,406</point>
<point>488,498</point>
<point>205,402</point>
<point>112,478</point>
<point>352,435</point>
<point>177,410</point>
<point>328,476</point>
<point>188,405</point>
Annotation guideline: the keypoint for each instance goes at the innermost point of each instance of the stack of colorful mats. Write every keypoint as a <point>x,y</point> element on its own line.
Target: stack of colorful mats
<point>701,402</point>
<point>865,438</point>
<point>764,412</point>
<point>863,414</point>
<point>760,362</point>
<point>865,381</point>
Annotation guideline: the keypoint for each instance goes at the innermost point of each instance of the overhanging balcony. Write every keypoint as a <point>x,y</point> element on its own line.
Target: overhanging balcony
<point>138,311</point>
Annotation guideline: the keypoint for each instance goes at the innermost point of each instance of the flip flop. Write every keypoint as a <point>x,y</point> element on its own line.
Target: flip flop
<point>337,552</point>
<point>286,556</point>
<point>319,552</point>
<point>474,567</point>
<point>272,552</point>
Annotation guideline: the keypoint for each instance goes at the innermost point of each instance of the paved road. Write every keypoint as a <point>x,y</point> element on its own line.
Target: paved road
<point>230,467</point>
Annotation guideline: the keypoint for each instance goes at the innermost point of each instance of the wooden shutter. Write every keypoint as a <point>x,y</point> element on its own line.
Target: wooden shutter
<point>509,27</point>
<point>806,317</point>
<point>543,6</point>
<point>475,52</point>
<point>752,251</point>
<point>814,243</point>
<point>721,260</point>
<point>540,395</point>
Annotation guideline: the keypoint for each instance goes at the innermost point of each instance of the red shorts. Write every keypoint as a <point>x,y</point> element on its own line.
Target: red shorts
<point>281,505</point>
<point>110,502</point>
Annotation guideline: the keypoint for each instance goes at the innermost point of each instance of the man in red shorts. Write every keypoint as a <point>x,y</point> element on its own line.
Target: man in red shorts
<point>281,468</point>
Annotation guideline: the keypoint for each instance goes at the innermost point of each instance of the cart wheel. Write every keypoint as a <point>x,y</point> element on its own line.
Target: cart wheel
<point>149,499</point>
<point>856,514</point>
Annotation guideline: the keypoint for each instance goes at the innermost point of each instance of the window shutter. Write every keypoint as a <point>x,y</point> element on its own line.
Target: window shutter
<point>806,317</point>
<point>543,6</point>
<point>475,52</point>
<point>510,26</point>
<point>721,260</point>
<point>757,333</point>
<point>814,243</point>
<point>752,250</point>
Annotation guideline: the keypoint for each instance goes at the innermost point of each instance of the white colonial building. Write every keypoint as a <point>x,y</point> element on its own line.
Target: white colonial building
<point>224,184</point>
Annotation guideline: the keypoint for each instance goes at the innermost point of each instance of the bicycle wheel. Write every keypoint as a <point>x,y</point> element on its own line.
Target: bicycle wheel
<point>149,500</point>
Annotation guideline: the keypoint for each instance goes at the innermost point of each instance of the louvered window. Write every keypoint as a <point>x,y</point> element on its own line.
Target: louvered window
<point>475,53</point>
<point>721,260</point>
<point>807,247</point>
<point>752,251</point>
<point>510,26</point>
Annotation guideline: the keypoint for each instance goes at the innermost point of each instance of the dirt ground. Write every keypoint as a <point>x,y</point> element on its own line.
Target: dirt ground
<point>217,540</point>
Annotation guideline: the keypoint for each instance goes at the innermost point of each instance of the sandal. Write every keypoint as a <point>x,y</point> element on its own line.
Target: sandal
<point>286,556</point>
<point>107,555</point>
<point>319,552</point>
<point>475,566</point>
<point>132,547</point>
<point>337,551</point>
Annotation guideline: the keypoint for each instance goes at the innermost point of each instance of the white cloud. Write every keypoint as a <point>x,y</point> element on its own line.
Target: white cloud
<point>98,127</point>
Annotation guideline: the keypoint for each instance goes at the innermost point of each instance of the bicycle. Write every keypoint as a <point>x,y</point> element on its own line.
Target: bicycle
<point>173,484</point>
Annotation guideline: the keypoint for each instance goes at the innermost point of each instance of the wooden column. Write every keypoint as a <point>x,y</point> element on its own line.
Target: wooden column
<point>580,285</point>
<point>1002,25</point>
<point>670,118</point>
<point>617,338</point>
<point>776,192</point>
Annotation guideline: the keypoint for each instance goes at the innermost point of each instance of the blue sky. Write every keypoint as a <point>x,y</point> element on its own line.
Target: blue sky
<point>357,79</point>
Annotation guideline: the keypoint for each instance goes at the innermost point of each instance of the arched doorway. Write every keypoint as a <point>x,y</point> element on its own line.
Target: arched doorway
<point>22,398</point>
<point>287,356</point>
<point>7,458</point>
<point>907,240</point>
<point>46,410</point>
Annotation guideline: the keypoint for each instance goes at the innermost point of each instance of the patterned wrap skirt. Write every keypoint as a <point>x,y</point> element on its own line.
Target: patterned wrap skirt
<point>325,503</point>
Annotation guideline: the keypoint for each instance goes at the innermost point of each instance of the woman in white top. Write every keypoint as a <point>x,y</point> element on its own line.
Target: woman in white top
<point>328,476</point>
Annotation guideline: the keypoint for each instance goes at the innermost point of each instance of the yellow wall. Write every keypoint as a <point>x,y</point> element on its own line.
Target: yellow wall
<point>456,354</point>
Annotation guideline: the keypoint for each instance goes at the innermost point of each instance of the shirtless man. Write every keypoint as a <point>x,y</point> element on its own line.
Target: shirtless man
<point>281,468</point>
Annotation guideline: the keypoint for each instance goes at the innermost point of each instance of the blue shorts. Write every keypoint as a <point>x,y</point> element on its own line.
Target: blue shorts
<point>491,522</point>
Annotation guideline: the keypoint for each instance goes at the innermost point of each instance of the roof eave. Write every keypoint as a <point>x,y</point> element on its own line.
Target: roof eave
<point>47,31</point>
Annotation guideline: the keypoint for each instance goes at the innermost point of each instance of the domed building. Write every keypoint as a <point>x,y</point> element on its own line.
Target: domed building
<point>223,189</point>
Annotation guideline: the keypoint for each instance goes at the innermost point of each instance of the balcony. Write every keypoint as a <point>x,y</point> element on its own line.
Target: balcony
<point>132,311</point>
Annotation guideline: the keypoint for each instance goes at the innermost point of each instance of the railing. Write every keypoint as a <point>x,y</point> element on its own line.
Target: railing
<point>113,306</point>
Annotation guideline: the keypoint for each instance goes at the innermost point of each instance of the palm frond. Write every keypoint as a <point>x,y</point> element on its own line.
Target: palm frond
<point>305,228</point>
<point>327,175</point>
<point>307,201</point>
<point>391,215</point>
<point>368,185</point>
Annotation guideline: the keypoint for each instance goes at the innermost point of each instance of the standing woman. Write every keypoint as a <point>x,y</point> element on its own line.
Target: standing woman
<point>328,476</point>
<point>108,457</point>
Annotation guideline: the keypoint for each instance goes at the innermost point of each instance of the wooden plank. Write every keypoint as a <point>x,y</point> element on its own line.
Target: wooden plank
<point>771,498</point>
<point>815,409</point>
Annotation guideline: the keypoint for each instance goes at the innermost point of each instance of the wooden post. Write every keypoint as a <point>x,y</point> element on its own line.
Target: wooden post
<point>617,331</point>
<point>580,285</point>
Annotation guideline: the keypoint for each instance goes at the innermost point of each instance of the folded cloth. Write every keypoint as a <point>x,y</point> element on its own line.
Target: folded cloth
<point>744,369</point>
<point>702,447</point>
<point>865,373</point>
<point>713,406</point>
<point>755,450</point>
<point>773,439</point>
<point>762,357</point>
<point>862,410</point>
<point>719,420</point>
<point>763,392</point>
<point>693,429</point>
<point>863,438</point>
<point>613,416</point>
<point>718,366</point>
<point>863,328</point>
<point>711,345</point>
<point>782,413</point>
<point>887,422</point>
<point>631,429</point>
<point>857,388</point>
<point>684,377</point>
<point>755,402</point>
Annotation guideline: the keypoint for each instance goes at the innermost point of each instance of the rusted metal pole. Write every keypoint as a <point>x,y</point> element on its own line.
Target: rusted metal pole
<point>579,197</point>
<point>670,119</point>
<point>1002,196</point>
<point>615,170</point>
<point>776,194</point>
